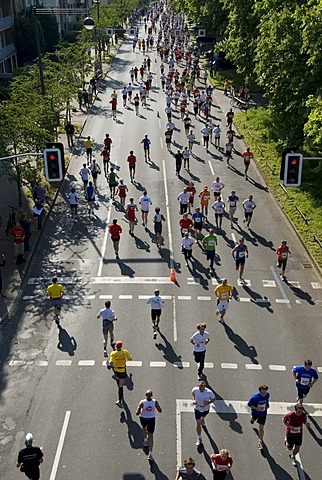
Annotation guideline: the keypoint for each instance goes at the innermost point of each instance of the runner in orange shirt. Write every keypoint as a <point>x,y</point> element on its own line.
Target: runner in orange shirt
<point>283,252</point>
<point>247,157</point>
<point>204,196</point>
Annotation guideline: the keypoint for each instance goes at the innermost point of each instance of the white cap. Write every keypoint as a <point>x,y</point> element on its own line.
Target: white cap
<point>29,439</point>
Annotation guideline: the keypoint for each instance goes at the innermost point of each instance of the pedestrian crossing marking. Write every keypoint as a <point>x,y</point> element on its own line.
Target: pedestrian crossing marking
<point>158,364</point>
<point>243,299</point>
<point>276,368</point>
<point>203,298</point>
<point>294,284</point>
<point>41,363</point>
<point>125,297</point>
<point>184,297</point>
<point>209,365</point>
<point>105,297</point>
<point>134,363</point>
<point>244,282</point>
<point>269,283</point>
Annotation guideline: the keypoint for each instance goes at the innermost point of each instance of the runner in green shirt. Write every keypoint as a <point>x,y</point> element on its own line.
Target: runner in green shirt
<point>112,182</point>
<point>209,242</point>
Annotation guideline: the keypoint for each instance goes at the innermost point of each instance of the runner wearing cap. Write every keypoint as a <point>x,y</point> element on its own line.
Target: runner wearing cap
<point>157,304</point>
<point>30,458</point>
<point>146,409</point>
<point>118,359</point>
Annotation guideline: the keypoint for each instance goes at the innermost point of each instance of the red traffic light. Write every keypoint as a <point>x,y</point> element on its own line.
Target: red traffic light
<point>294,162</point>
<point>52,157</point>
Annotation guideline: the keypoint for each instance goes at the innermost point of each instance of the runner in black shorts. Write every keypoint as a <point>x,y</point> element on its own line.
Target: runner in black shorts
<point>146,409</point>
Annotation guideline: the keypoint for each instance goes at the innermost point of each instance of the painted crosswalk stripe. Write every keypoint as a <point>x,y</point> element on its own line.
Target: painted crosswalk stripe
<point>203,298</point>
<point>86,363</point>
<point>229,365</point>
<point>253,366</point>
<point>269,283</point>
<point>105,297</point>
<point>181,364</point>
<point>316,285</point>
<point>158,364</point>
<point>133,280</point>
<point>277,368</point>
<point>282,300</point>
<point>145,297</point>
<point>16,363</point>
<point>193,281</point>
<point>125,297</point>
<point>243,299</point>
<point>209,365</point>
<point>63,363</point>
<point>41,363</point>
<point>134,363</point>
<point>184,297</point>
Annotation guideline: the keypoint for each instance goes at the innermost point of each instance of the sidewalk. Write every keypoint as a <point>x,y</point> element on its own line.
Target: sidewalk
<point>13,275</point>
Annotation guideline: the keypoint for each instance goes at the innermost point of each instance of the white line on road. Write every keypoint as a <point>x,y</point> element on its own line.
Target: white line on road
<point>252,366</point>
<point>63,363</point>
<point>269,283</point>
<point>161,142</point>
<point>134,363</point>
<point>203,298</point>
<point>151,280</point>
<point>244,299</point>
<point>319,369</point>
<point>211,168</point>
<point>282,300</point>
<point>105,297</point>
<point>316,285</point>
<point>90,297</point>
<point>233,236</point>
<point>184,297</point>
<point>60,446</point>
<point>279,284</point>
<point>277,368</point>
<point>100,265</point>
<point>86,363</point>
<point>181,364</point>
<point>125,297</point>
<point>174,316</point>
<point>229,365</point>
<point>158,364</point>
<point>178,423</point>
<point>168,214</point>
<point>300,467</point>
<point>209,365</point>
<point>28,297</point>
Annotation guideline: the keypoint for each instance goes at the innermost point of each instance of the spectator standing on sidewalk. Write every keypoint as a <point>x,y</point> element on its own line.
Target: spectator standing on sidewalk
<point>2,264</point>
<point>38,211</point>
<point>70,130</point>
<point>18,235</point>
<point>39,193</point>
<point>26,225</point>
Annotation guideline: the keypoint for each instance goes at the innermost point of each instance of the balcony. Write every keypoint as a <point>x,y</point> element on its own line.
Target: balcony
<point>7,52</point>
<point>6,22</point>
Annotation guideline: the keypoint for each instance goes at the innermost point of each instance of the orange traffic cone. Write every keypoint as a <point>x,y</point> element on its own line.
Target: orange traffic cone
<point>173,277</point>
<point>158,114</point>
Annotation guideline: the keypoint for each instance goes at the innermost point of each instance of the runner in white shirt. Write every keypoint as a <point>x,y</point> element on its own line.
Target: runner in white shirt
<point>186,158</point>
<point>186,245</point>
<point>145,203</point>
<point>202,398</point>
<point>191,138</point>
<point>129,89</point>
<point>219,208</point>
<point>200,340</point>
<point>170,126</point>
<point>205,132</point>
<point>217,187</point>
<point>183,199</point>
<point>146,409</point>
<point>85,173</point>
<point>217,132</point>
<point>124,96</point>
<point>249,206</point>
<point>157,304</point>
<point>73,202</point>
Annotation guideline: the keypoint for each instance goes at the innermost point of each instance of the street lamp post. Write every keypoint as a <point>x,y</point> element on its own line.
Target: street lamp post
<point>98,30</point>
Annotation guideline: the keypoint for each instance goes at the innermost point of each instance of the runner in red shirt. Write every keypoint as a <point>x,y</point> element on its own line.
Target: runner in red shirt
<point>106,159</point>
<point>294,430</point>
<point>131,159</point>
<point>18,235</point>
<point>131,208</point>
<point>221,464</point>
<point>185,224</point>
<point>113,102</point>
<point>108,142</point>
<point>191,189</point>
<point>121,192</point>
<point>115,230</point>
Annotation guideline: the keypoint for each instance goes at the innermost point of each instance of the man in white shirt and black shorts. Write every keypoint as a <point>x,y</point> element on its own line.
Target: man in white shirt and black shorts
<point>108,319</point>
<point>145,203</point>
<point>157,304</point>
<point>146,409</point>
<point>200,340</point>
<point>202,398</point>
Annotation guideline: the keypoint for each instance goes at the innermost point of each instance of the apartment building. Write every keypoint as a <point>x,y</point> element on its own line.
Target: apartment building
<point>8,54</point>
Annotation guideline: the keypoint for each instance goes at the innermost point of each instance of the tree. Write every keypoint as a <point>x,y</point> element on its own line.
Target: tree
<point>50,30</point>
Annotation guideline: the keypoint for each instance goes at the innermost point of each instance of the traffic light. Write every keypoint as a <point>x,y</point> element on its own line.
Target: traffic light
<point>53,162</point>
<point>293,169</point>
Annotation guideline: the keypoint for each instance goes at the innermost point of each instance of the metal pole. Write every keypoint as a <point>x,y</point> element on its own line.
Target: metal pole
<point>18,182</point>
<point>98,31</point>
<point>40,65</point>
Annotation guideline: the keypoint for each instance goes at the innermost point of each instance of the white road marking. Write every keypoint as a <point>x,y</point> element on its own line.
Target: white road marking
<point>151,280</point>
<point>209,365</point>
<point>125,297</point>
<point>269,283</point>
<point>240,407</point>
<point>214,281</point>
<point>193,281</point>
<point>300,469</point>
<point>158,364</point>
<point>174,319</point>
<point>86,363</point>
<point>211,168</point>
<point>161,139</point>
<point>319,369</point>
<point>316,285</point>
<point>167,203</point>
<point>90,297</point>
<point>253,366</point>
<point>279,284</point>
<point>15,363</point>
<point>134,363</point>
<point>178,425</point>
<point>233,366</point>
<point>103,249</point>
<point>294,284</point>
<point>298,301</point>
<point>60,446</point>
<point>105,297</point>
<point>262,300</point>
<point>233,236</point>
<point>41,363</point>
<point>282,300</point>
<point>204,298</point>
<point>63,363</point>
<point>181,364</point>
<point>277,368</point>
<point>28,297</point>
<point>184,297</point>
<point>243,282</point>
<point>244,299</point>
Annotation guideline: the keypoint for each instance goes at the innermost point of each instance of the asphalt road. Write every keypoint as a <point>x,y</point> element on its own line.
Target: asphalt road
<point>57,385</point>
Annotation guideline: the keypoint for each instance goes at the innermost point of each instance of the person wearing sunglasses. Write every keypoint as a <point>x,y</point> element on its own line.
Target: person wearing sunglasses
<point>188,471</point>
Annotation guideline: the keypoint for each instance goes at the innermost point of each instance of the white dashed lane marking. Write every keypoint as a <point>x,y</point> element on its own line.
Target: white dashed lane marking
<point>277,368</point>
<point>63,363</point>
<point>269,283</point>
<point>158,364</point>
<point>316,285</point>
<point>86,363</point>
<point>233,366</point>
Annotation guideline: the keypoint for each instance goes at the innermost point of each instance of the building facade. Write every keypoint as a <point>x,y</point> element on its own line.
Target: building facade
<point>8,54</point>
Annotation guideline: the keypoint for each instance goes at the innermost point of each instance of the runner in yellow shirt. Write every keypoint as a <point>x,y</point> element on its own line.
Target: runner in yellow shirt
<point>224,294</point>
<point>56,292</point>
<point>88,144</point>
<point>118,359</point>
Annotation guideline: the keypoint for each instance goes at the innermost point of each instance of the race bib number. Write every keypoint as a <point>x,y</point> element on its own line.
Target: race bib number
<point>233,204</point>
<point>221,468</point>
<point>211,243</point>
<point>295,429</point>
<point>284,255</point>
<point>305,381</point>
<point>184,230</point>
<point>197,219</point>
<point>224,295</point>
<point>262,407</point>
<point>241,254</point>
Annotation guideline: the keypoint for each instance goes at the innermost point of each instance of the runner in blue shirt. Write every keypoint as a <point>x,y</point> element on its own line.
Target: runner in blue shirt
<point>232,206</point>
<point>259,403</point>
<point>305,377</point>
<point>239,253</point>
<point>146,147</point>
<point>197,218</point>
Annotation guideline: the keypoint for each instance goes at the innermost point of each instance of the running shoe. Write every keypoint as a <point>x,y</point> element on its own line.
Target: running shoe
<point>198,442</point>
<point>119,403</point>
<point>260,445</point>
